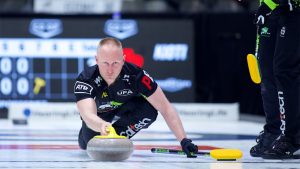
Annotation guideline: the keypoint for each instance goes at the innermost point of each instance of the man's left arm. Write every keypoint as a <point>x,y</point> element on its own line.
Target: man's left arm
<point>159,101</point>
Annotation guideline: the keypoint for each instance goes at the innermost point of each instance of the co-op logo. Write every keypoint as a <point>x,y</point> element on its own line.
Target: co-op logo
<point>45,28</point>
<point>174,85</point>
<point>121,29</point>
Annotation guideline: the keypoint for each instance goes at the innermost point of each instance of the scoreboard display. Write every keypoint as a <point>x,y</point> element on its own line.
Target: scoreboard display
<point>43,69</point>
<point>40,57</point>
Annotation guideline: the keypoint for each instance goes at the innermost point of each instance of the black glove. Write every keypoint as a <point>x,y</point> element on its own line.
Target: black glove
<point>262,12</point>
<point>189,148</point>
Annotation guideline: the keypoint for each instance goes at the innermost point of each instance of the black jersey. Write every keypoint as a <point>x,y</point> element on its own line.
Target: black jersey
<point>132,82</point>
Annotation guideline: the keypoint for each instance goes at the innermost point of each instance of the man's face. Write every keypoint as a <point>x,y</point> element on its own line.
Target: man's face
<point>110,61</point>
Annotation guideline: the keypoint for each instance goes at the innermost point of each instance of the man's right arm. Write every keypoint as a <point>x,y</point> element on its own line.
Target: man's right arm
<point>84,93</point>
<point>88,112</point>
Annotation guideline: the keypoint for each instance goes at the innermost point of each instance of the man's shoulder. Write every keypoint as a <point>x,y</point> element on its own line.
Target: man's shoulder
<point>131,69</point>
<point>88,73</point>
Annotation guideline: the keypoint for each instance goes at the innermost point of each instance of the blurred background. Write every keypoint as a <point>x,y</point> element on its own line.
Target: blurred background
<point>195,49</point>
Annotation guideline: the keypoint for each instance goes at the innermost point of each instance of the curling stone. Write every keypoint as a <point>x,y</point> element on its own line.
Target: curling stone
<point>110,148</point>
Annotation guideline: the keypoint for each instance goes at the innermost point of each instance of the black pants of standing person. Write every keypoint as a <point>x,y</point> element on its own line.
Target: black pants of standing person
<point>279,60</point>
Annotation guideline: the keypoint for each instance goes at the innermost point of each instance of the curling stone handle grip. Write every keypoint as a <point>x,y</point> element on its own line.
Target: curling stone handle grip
<point>111,131</point>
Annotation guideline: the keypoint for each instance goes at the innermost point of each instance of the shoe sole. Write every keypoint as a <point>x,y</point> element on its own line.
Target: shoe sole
<point>270,157</point>
<point>255,155</point>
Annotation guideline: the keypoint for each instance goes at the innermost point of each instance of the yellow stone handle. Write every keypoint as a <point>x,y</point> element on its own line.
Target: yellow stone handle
<point>111,133</point>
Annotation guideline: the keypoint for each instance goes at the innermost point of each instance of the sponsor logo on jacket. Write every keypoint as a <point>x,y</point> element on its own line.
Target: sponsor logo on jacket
<point>124,92</point>
<point>82,88</point>
<point>282,111</point>
<point>134,128</point>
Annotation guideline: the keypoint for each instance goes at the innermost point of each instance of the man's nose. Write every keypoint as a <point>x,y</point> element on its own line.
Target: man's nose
<point>110,69</point>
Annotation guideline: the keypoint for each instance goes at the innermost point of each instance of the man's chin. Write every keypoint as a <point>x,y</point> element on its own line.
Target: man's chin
<point>110,81</point>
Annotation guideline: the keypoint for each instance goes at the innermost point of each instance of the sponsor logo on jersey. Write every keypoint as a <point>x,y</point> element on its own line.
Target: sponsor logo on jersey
<point>98,81</point>
<point>83,88</point>
<point>282,32</point>
<point>265,32</point>
<point>105,108</point>
<point>45,28</point>
<point>145,73</point>
<point>104,94</point>
<point>124,92</point>
<point>134,128</point>
<point>282,111</point>
<point>173,84</point>
<point>170,52</point>
<point>126,78</point>
<point>146,80</point>
<point>121,28</point>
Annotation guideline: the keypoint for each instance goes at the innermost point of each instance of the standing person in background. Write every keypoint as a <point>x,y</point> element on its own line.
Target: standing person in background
<point>114,90</point>
<point>279,60</point>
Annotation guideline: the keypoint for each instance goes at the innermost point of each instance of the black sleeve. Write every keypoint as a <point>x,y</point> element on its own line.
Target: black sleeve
<point>145,83</point>
<point>83,89</point>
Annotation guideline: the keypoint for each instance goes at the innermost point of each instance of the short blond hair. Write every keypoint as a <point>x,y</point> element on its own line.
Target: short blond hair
<point>109,41</point>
